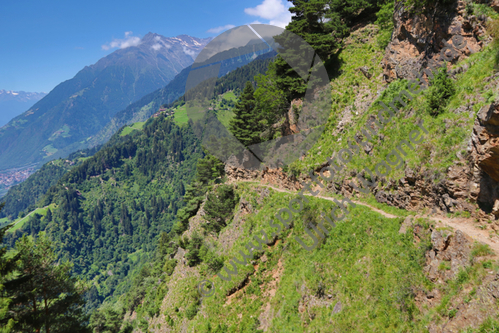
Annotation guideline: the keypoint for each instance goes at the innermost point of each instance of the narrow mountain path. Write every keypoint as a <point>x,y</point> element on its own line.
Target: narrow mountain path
<point>466,225</point>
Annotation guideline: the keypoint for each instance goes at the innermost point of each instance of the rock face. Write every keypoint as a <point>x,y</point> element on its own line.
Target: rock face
<point>484,149</point>
<point>425,40</point>
<point>275,177</point>
<point>450,253</point>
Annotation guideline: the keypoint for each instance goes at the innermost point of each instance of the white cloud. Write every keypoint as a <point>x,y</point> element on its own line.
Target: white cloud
<point>156,47</point>
<point>189,52</point>
<point>275,11</point>
<point>220,29</point>
<point>128,41</point>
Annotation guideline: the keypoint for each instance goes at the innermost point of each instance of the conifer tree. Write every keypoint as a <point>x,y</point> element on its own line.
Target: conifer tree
<point>42,293</point>
<point>7,266</point>
<point>245,125</point>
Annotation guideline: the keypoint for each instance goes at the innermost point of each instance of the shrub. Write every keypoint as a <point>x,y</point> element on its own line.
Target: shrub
<point>438,94</point>
<point>219,207</point>
<point>489,326</point>
<point>384,19</point>
<point>191,311</point>
<point>169,266</point>
<point>193,256</point>
<point>480,250</point>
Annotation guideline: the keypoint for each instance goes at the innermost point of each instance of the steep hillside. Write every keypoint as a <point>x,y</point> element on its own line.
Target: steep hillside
<point>23,197</point>
<point>401,235</point>
<point>79,108</point>
<point>388,224</point>
<point>107,213</point>
<point>371,272</point>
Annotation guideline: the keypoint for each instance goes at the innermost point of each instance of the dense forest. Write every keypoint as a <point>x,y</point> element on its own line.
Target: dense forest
<point>105,215</point>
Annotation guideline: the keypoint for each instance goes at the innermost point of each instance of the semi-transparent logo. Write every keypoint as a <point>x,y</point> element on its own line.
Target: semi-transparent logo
<point>298,124</point>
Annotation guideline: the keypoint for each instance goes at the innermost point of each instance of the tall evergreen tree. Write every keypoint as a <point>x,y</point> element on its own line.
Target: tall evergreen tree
<point>322,24</point>
<point>42,293</point>
<point>7,266</point>
<point>245,125</point>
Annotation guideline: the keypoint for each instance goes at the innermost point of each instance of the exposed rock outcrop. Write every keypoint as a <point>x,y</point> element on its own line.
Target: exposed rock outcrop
<point>425,40</point>
<point>484,149</point>
<point>449,254</point>
<point>275,177</point>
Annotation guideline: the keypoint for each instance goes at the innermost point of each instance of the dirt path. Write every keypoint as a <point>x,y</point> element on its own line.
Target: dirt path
<point>467,226</point>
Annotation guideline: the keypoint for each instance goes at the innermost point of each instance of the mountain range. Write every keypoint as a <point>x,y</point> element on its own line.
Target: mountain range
<point>75,110</point>
<point>13,103</point>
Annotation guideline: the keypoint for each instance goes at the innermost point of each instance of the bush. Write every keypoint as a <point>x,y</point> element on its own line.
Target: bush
<point>219,207</point>
<point>384,19</point>
<point>480,250</point>
<point>441,89</point>
<point>489,326</point>
<point>193,255</point>
<point>169,266</point>
<point>191,311</point>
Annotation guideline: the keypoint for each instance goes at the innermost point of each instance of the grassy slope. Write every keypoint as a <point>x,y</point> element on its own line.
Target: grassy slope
<point>448,133</point>
<point>18,223</point>
<point>224,114</point>
<point>129,129</point>
<point>364,264</point>
<point>181,115</point>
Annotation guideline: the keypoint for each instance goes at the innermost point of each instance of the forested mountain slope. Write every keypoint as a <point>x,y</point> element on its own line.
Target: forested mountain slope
<point>150,104</point>
<point>107,213</point>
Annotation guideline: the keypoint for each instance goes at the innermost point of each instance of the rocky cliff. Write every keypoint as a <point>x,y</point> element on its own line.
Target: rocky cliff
<point>423,40</point>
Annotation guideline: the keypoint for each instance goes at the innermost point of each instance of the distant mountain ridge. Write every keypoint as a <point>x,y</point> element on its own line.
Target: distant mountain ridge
<point>150,103</point>
<point>78,108</point>
<point>13,103</point>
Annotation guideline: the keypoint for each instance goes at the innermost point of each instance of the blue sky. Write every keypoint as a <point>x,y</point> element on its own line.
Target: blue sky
<point>44,43</point>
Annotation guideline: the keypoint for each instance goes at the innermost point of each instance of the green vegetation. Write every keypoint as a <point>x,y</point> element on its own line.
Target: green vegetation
<point>41,291</point>
<point>219,207</point>
<point>385,23</point>
<point>224,106</point>
<point>129,129</point>
<point>129,217</point>
<point>481,250</point>
<point>116,203</point>
<point>245,124</point>
<point>209,170</point>
<point>181,116</point>
<point>437,95</point>
<point>386,264</point>
<point>32,217</point>
<point>23,197</point>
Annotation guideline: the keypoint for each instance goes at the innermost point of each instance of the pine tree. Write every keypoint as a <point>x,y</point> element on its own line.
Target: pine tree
<point>7,266</point>
<point>43,293</point>
<point>48,216</point>
<point>245,125</point>
<point>322,24</point>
